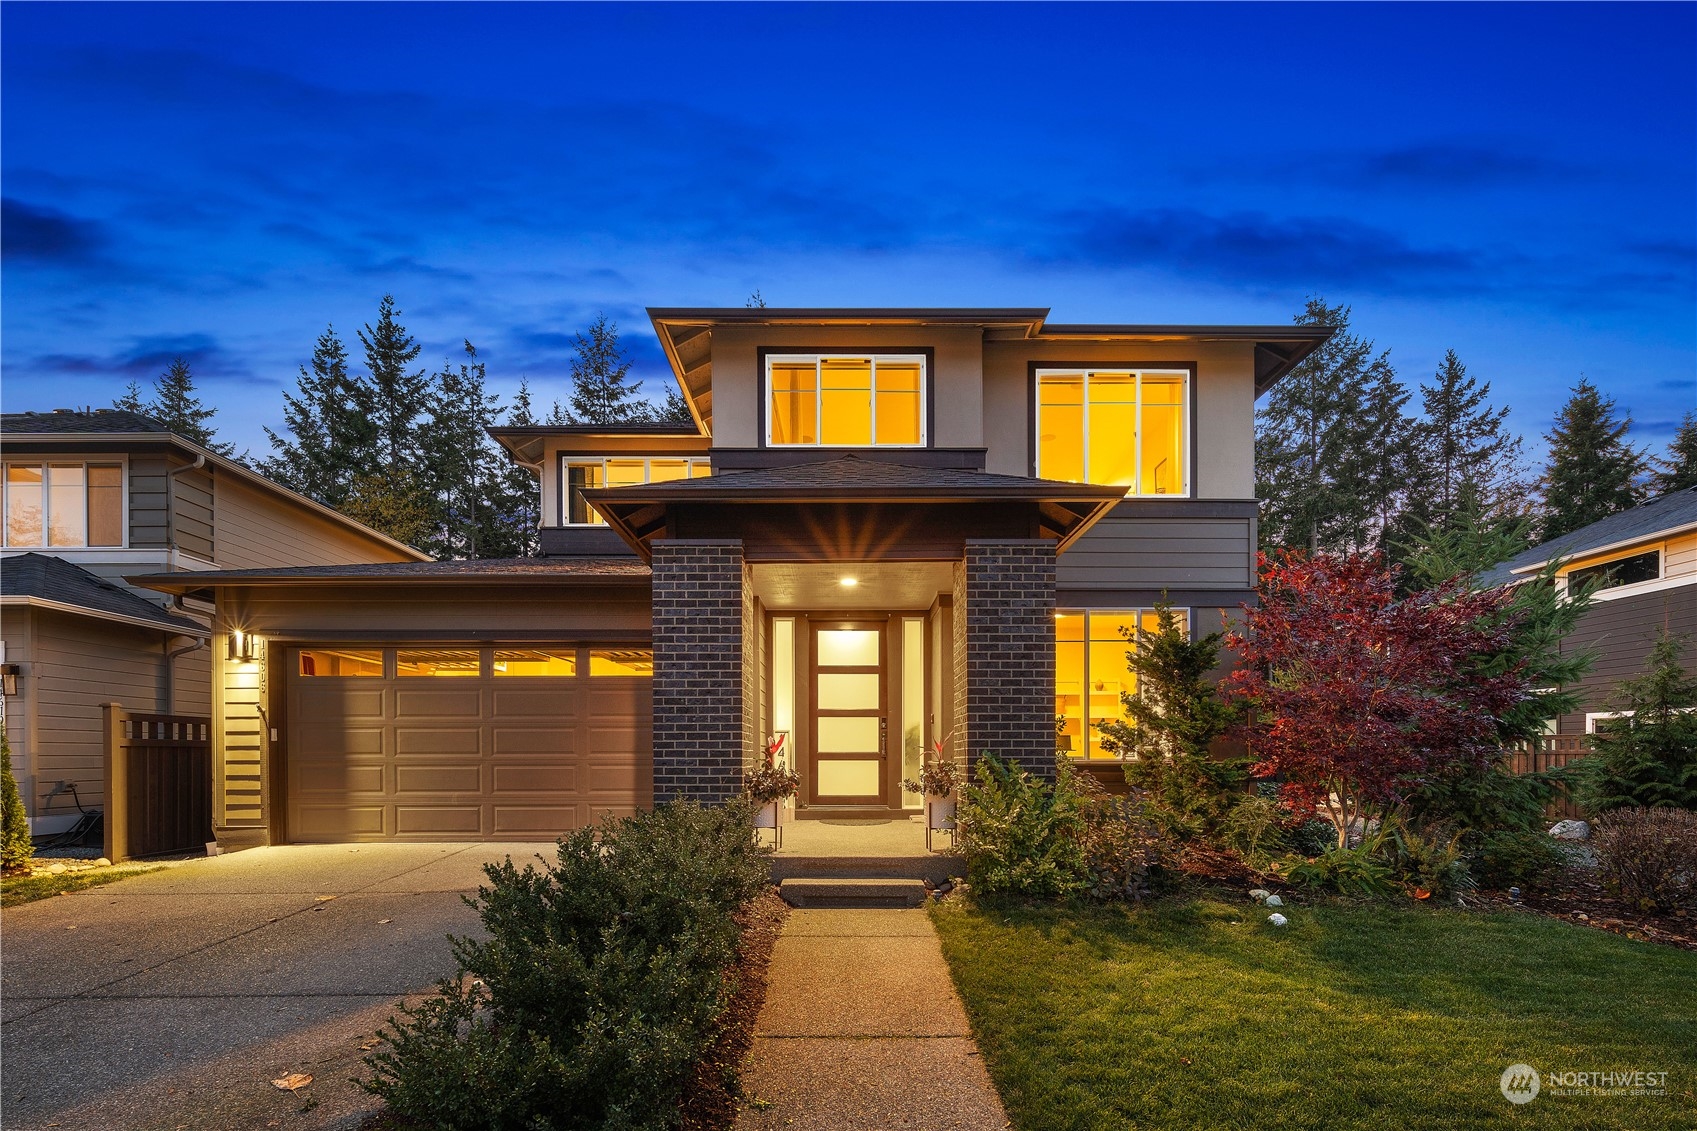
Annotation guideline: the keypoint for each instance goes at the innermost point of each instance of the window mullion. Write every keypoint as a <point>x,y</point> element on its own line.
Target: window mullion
<point>1137,436</point>
<point>872,401</point>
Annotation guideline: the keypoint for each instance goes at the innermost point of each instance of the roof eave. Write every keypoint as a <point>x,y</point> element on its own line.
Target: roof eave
<point>170,627</point>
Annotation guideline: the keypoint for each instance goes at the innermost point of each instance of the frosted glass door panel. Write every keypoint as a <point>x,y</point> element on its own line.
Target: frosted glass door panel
<point>848,648</point>
<point>849,778</point>
<point>851,735</point>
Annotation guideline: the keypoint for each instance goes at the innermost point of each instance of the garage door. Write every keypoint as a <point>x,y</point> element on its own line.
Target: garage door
<point>465,743</point>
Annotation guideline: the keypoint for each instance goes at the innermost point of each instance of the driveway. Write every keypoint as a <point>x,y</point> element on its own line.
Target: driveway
<point>173,999</point>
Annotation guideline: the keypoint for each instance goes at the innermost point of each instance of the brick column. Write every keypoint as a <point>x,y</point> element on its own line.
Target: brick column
<point>702,734</point>
<point>1005,651</point>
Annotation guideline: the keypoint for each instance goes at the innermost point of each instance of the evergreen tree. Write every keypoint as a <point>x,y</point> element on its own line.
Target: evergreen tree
<point>16,849</point>
<point>1314,469</point>
<point>459,462</point>
<point>1677,471</point>
<point>675,410</point>
<point>396,502</point>
<point>131,400</point>
<point>602,391</point>
<point>176,407</point>
<point>1592,471</point>
<point>398,395</point>
<point>331,439</point>
<point>516,503</point>
<point>1464,453</point>
<point>1648,755</point>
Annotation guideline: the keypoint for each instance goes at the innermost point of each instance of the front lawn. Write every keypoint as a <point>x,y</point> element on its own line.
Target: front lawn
<point>1196,1013</point>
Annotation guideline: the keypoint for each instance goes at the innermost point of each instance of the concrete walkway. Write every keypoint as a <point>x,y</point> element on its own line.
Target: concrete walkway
<point>172,1000</point>
<point>862,1029</point>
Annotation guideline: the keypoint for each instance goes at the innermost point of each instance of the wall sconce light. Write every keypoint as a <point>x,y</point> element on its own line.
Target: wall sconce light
<point>9,678</point>
<point>245,646</point>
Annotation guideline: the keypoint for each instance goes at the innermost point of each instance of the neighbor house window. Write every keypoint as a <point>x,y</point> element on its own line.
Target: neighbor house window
<point>1123,428</point>
<point>1091,673</point>
<point>64,504</point>
<point>845,401</point>
<point>621,471</point>
<point>1622,571</point>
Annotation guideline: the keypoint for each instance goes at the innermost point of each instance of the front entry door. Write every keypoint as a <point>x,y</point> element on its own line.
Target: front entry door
<point>850,723</point>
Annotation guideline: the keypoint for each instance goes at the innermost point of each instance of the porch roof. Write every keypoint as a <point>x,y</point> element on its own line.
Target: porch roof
<point>1062,511</point>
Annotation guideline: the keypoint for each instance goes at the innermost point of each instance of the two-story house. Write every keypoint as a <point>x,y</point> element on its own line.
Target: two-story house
<point>887,529</point>
<point>90,497</point>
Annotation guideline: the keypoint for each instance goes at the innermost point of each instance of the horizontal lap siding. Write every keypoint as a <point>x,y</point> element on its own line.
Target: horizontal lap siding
<point>193,495</point>
<point>149,514</point>
<point>1135,552</point>
<point>1621,632</point>
<point>256,530</point>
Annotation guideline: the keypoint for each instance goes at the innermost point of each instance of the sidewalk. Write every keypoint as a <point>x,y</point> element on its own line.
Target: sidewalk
<point>863,1031</point>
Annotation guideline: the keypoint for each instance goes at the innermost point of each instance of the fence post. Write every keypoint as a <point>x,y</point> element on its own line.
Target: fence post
<point>117,823</point>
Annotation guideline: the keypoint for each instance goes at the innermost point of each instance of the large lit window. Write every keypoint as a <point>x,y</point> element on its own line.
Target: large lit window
<point>1123,428</point>
<point>1091,672</point>
<point>845,402</point>
<point>1633,570</point>
<point>620,471</point>
<point>64,504</point>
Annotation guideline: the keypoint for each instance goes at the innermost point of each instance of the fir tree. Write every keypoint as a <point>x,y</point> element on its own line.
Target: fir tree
<point>459,462</point>
<point>516,504</point>
<point>1464,455</point>
<point>602,391</point>
<point>1592,471</point>
<point>1677,471</point>
<point>176,407</point>
<point>675,410</point>
<point>131,400</point>
<point>1374,457</point>
<point>16,849</point>
<point>1648,755</point>
<point>395,502</point>
<point>331,438</point>
<point>398,395</point>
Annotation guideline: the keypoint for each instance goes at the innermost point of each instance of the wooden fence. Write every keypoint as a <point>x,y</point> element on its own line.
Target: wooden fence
<point>1550,752</point>
<point>158,783</point>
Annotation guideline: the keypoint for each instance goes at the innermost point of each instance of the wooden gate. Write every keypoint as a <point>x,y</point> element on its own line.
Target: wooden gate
<point>1550,752</point>
<point>158,783</point>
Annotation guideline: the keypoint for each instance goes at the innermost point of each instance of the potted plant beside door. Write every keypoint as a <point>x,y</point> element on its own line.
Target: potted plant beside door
<point>770,786</point>
<point>937,781</point>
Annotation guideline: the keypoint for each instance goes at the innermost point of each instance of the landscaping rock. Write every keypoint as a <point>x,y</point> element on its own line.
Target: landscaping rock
<point>1570,830</point>
<point>1274,901</point>
<point>56,870</point>
<point>1277,920</point>
<point>1259,894</point>
<point>103,863</point>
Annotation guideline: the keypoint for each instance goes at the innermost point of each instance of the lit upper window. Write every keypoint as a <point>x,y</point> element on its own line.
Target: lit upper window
<point>620,471</point>
<point>845,402</point>
<point>1632,570</point>
<point>1122,428</point>
<point>64,504</point>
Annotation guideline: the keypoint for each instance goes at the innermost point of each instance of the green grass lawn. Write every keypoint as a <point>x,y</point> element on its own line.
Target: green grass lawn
<point>1196,1013</point>
<point>27,889</point>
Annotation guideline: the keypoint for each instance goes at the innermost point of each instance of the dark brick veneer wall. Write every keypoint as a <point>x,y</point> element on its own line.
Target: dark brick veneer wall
<point>702,710</point>
<point>1005,650</point>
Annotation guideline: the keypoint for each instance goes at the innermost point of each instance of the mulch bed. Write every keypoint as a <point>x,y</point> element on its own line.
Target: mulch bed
<point>1576,895</point>
<point>710,1098</point>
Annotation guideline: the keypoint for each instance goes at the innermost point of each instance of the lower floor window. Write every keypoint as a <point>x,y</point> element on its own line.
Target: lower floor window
<point>1091,672</point>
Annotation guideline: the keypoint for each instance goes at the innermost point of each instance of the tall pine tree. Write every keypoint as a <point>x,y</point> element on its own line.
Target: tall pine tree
<point>602,391</point>
<point>398,394</point>
<point>1592,470</point>
<point>175,405</point>
<point>516,501</point>
<point>459,460</point>
<point>1465,458</point>
<point>331,437</point>
<point>1677,470</point>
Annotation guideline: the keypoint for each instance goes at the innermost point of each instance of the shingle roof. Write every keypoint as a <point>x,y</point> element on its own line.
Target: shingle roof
<point>854,474</point>
<point>485,569</point>
<point>1667,512</point>
<point>98,420</point>
<point>48,578</point>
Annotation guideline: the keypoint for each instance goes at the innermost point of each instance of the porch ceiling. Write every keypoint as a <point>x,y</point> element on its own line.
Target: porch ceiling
<point>885,586</point>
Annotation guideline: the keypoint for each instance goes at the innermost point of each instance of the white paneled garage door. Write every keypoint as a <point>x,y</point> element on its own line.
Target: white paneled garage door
<point>464,743</point>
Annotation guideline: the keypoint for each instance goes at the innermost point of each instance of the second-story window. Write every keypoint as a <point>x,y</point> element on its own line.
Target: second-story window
<point>845,401</point>
<point>64,504</point>
<point>1123,428</point>
<point>619,471</point>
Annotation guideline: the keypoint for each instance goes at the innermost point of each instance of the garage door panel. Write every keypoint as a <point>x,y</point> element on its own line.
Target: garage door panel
<point>437,702</point>
<point>490,757</point>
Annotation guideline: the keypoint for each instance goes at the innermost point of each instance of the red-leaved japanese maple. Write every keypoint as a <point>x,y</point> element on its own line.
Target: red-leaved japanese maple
<point>1358,692</point>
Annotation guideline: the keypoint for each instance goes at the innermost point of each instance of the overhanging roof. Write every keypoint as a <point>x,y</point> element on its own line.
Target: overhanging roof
<point>527,443</point>
<point>483,571</point>
<point>49,582</point>
<point>639,512</point>
<point>1661,517</point>
<point>685,335</point>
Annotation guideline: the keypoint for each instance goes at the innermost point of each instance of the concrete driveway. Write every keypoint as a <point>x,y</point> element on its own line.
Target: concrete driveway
<point>173,999</point>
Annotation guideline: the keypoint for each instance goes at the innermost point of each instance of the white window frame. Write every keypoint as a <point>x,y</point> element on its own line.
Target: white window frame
<point>1190,634</point>
<point>1615,592</point>
<point>568,461</point>
<point>819,394</point>
<point>1592,718</point>
<point>1135,491</point>
<point>44,462</point>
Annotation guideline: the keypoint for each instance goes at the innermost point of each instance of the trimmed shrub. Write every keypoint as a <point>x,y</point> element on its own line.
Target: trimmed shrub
<point>598,988</point>
<point>1514,857</point>
<point>16,848</point>
<point>1019,834</point>
<point>1648,857</point>
<point>1124,849</point>
<point>1255,829</point>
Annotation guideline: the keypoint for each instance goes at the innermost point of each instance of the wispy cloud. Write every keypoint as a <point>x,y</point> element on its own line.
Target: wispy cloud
<point>147,357</point>
<point>38,234</point>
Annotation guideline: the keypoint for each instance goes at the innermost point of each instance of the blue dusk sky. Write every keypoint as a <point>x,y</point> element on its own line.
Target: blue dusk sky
<point>1516,182</point>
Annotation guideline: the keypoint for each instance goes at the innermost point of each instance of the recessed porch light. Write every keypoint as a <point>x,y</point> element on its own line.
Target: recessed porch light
<point>849,582</point>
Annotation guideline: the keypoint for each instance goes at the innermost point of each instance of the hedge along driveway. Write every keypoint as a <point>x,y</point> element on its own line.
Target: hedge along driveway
<point>1198,1014</point>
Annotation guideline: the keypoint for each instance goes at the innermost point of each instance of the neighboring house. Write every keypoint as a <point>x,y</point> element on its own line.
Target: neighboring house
<point>887,529</point>
<point>1646,561</point>
<point>90,497</point>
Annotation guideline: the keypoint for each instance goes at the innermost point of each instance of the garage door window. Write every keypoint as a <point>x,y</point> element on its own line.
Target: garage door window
<point>438,662</point>
<point>341,662</point>
<point>621,661</point>
<point>535,662</point>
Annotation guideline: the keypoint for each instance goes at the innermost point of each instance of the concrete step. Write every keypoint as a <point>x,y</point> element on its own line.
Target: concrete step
<point>934,868</point>
<point>863,891</point>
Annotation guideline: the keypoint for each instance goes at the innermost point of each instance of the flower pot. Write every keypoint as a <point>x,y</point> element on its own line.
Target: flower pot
<point>940,812</point>
<point>766,817</point>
